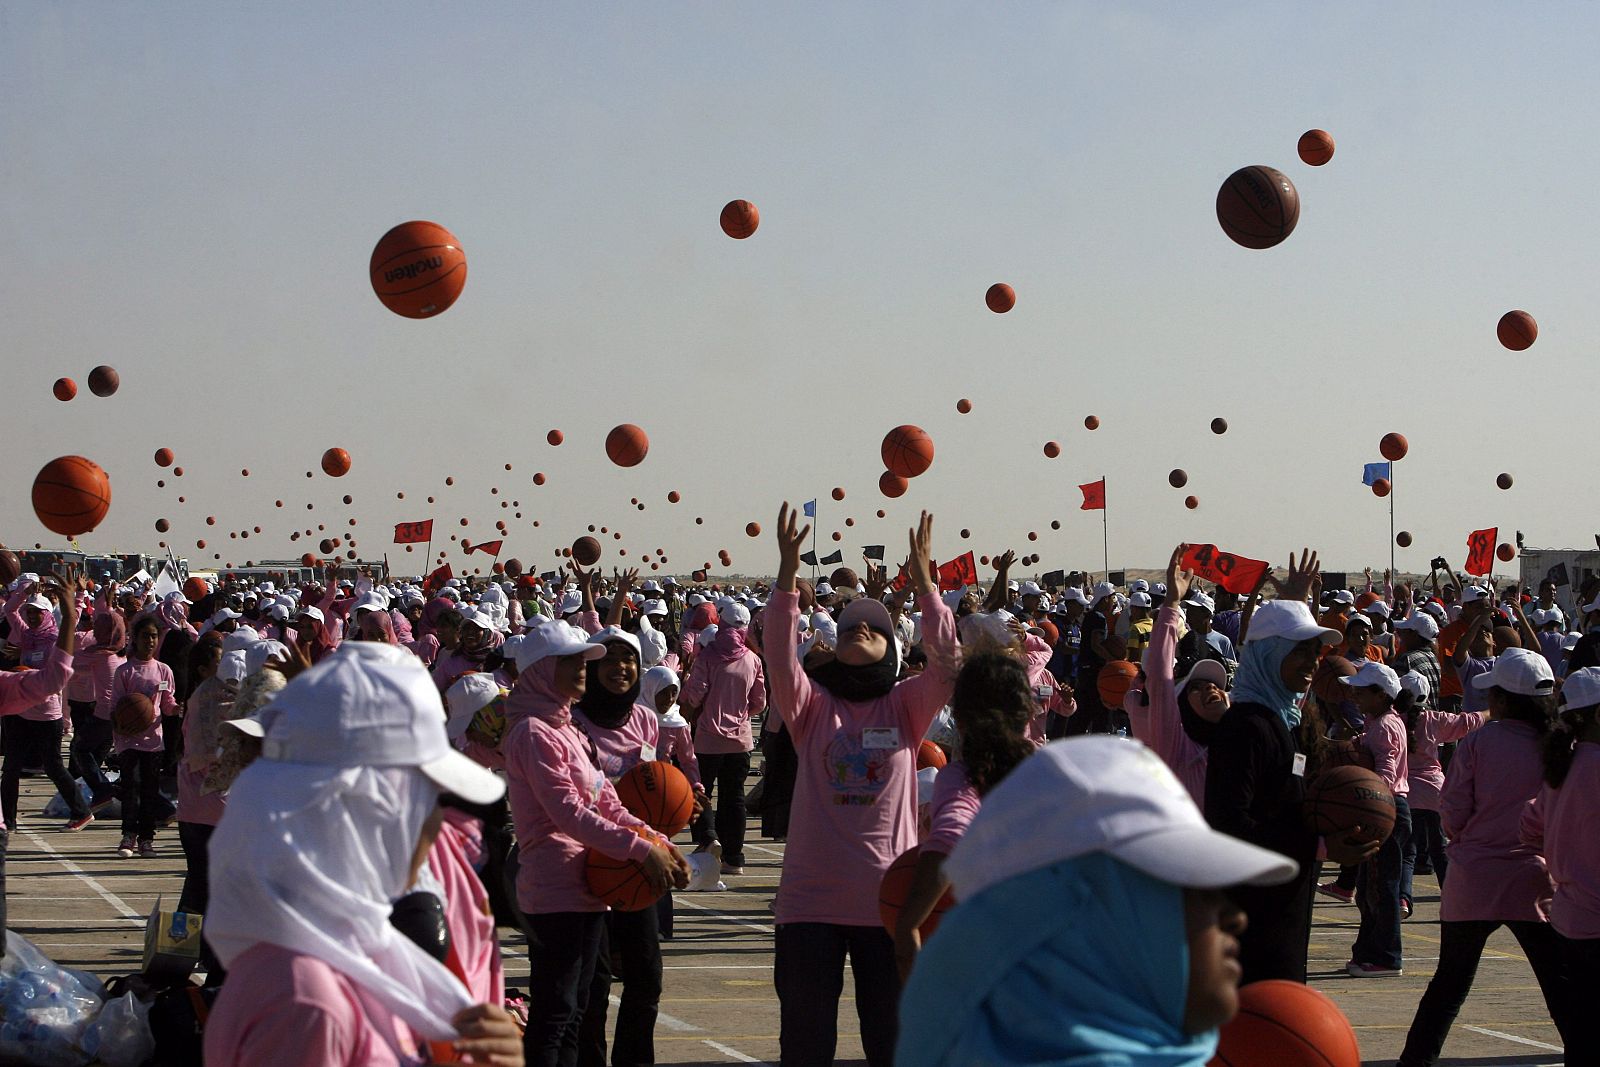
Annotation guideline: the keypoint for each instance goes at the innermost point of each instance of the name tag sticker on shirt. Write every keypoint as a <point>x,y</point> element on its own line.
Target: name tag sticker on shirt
<point>881,737</point>
<point>163,686</point>
<point>1299,769</point>
<point>647,753</point>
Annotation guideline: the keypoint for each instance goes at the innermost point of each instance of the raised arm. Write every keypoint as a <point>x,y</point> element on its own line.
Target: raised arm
<point>790,688</point>
<point>1002,571</point>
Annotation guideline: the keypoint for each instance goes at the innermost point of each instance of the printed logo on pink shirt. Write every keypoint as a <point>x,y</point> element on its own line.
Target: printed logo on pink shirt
<point>857,774</point>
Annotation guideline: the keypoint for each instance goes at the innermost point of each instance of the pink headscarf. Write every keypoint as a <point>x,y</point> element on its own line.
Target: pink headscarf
<point>402,627</point>
<point>110,632</point>
<point>730,644</point>
<point>377,626</point>
<point>173,615</point>
<point>535,694</point>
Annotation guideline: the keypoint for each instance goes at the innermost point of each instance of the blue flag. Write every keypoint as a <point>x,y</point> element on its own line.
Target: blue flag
<point>1373,471</point>
<point>811,507</point>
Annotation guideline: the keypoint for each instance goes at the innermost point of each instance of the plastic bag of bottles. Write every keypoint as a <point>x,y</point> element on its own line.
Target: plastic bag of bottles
<point>120,1035</point>
<point>44,1009</point>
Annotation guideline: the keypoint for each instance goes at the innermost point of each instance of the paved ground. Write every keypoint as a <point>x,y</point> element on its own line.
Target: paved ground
<point>84,906</point>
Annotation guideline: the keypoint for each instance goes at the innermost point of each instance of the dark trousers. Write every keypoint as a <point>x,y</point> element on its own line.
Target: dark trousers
<point>631,951</point>
<point>91,740</point>
<point>1378,896</point>
<point>1460,949</point>
<point>25,741</point>
<point>195,837</point>
<point>562,950</point>
<point>723,775</point>
<point>140,789</point>
<point>1278,937</point>
<point>5,839</point>
<point>664,915</point>
<point>1425,849</point>
<point>808,971</point>
<point>1580,959</point>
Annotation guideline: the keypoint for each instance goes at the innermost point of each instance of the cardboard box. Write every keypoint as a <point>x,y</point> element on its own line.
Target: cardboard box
<point>171,944</point>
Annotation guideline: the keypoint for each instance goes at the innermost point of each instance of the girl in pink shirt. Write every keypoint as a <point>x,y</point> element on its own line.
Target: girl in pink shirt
<point>91,739</point>
<point>34,735</point>
<point>726,688</point>
<point>856,734</point>
<point>199,812</point>
<point>992,705</point>
<point>140,753</point>
<point>1429,730</point>
<point>1384,745</point>
<point>659,690</point>
<point>1495,878</point>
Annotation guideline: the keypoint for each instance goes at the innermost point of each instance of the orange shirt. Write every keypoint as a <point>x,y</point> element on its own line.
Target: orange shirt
<point>1449,638</point>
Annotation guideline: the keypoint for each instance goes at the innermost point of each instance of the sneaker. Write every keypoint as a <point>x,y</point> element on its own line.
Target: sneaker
<point>128,849</point>
<point>99,804</point>
<point>1336,891</point>
<point>147,848</point>
<point>1423,870</point>
<point>1371,970</point>
<point>80,821</point>
<point>728,868</point>
<point>1405,908</point>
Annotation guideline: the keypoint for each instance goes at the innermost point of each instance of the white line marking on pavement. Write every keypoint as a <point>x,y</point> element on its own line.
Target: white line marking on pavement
<point>105,894</point>
<point>1513,1037</point>
<point>731,1053</point>
<point>672,1022</point>
<point>679,899</point>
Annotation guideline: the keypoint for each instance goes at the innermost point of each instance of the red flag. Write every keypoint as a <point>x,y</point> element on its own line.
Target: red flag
<point>1480,551</point>
<point>1236,574</point>
<point>436,580</point>
<point>1094,496</point>
<point>413,533</point>
<point>958,573</point>
<point>490,547</point>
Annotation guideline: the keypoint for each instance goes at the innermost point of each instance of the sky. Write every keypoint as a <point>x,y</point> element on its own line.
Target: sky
<point>192,191</point>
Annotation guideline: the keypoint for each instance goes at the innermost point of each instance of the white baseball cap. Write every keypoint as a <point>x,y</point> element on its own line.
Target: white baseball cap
<point>1074,595</point>
<point>1581,688</point>
<point>655,607</point>
<point>824,589</point>
<point>1434,608</point>
<point>468,695</point>
<point>1518,670</point>
<point>370,704</point>
<point>1291,619</point>
<point>1473,593</point>
<point>1197,599</point>
<point>1205,670</point>
<point>1421,623</point>
<point>735,615</point>
<point>1140,599</point>
<point>616,633</point>
<point>865,609</point>
<point>554,639</point>
<point>1417,685</point>
<point>1101,591</point>
<point>570,603</point>
<point>1379,608</point>
<point>1031,589</point>
<point>312,612</point>
<point>1102,794</point>
<point>1375,674</point>
<point>1341,596</point>
<point>1139,586</point>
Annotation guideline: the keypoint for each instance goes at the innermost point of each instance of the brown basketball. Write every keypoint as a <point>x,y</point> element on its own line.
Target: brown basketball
<point>1177,478</point>
<point>964,406</point>
<point>555,437</point>
<point>1286,1024</point>
<point>65,389</point>
<point>627,445</point>
<point>1052,449</point>
<point>739,219</point>
<point>1258,207</point>
<point>1517,330</point>
<point>1342,798</point>
<point>133,715</point>
<point>907,451</point>
<point>1394,446</point>
<point>71,495</point>
<point>620,884</point>
<point>658,793</point>
<point>930,754</point>
<point>1001,298</point>
<point>838,493</point>
<point>1380,487</point>
<point>586,550</point>
<point>752,529</point>
<point>892,485</point>
<point>1091,422</point>
<point>103,380</point>
<point>1191,502</point>
<point>896,886</point>
<point>1113,682</point>
<point>1503,481</point>
<point>1315,147</point>
<point>1505,552</point>
<point>418,269</point>
<point>1403,538</point>
<point>336,463</point>
<point>1219,426</point>
<point>10,566</point>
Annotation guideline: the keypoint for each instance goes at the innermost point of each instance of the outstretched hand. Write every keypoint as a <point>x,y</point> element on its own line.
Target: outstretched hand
<point>1302,576</point>
<point>1178,579</point>
<point>791,535</point>
<point>921,570</point>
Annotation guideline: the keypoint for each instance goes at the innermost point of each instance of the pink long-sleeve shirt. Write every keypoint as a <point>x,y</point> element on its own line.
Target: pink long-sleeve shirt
<point>1046,690</point>
<point>474,945</point>
<point>855,799</point>
<point>954,805</point>
<point>1493,874</point>
<point>1433,729</point>
<point>561,804</point>
<point>23,690</point>
<point>728,694</point>
<point>282,1009</point>
<point>1385,739</point>
<point>637,740</point>
<point>1560,824</point>
<point>677,743</point>
<point>1159,724</point>
<point>154,679</point>
<point>34,645</point>
<point>81,689</point>
<point>103,666</point>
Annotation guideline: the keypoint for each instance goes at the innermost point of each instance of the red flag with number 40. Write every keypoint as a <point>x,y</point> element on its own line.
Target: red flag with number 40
<point>1236,574</point>
<point>1480,550</point>
<point>958,573</point>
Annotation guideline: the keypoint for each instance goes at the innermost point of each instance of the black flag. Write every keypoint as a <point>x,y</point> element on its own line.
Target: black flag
<point>836,557</point>
<point>1558,574</point>
<point>873,552</point>
<point>808,558</point>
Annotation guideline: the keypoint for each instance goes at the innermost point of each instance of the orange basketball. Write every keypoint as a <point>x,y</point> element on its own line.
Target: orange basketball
<point>71,495</point>
<point>1052,449</point>
<point>1342,798</point>
<point>162,526</point>
<point>1403,538</point>
<point>1286,1024</point>
<point>586,550</point>
<point>752,529</point>
<point>133,715</point>
<point>418,269</point>
<point>1315,147</point>
<point>1001,298</point>
<point>1394,446</point>
<point>64,389</point>
<point>838,494</point>
<point>627,445</point>
<point>1177,478</point>
<point>907,451</point>
<point>1503,481</point>
<point>1113,682</point>
<point>620,884</point>
<point>658,793</point>
<point>336,463</point>
<point>964,406</point>
<point>1517,331</point>
<point>930,755</point>
<point>538,478</point>
<point>195,588</point>
<point>164,457</point>
<point>896,886</point>
<point>891,485</point>
<point>555,437</point>
<point>1258,207</point>
<point>1191,502</point>
<point>673,497</point>
<point>1380,487</point>
<point>103,380</point>
<point>739,219</point>
<point>1091,422</point>
<point>1505,552</point>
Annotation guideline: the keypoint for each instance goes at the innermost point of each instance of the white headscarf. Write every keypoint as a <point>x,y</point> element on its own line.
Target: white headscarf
<point>652,644</point>
<point>309,857</point>
<point>655,680</point>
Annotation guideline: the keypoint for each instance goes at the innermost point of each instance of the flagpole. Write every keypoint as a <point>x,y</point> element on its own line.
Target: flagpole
<point>815,522</point>
<point>1392,571</point>
<point>1105,533</point>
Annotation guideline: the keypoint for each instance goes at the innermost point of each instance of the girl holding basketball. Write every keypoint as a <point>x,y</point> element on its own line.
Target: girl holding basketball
<point>856,731</point>
<point>1385,745</point>
<point>141,753</point>
<point>992,705</point>
<point>1495,878</point>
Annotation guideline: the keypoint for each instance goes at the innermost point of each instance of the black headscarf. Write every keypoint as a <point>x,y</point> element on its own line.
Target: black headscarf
<point>859,684</point>
<point>600,705</point>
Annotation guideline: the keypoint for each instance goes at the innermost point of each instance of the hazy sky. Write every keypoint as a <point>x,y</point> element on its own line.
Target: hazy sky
<point>191,193</point>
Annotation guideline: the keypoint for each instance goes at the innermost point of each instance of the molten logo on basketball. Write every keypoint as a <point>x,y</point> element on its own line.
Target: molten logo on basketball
<point>411,270</point>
